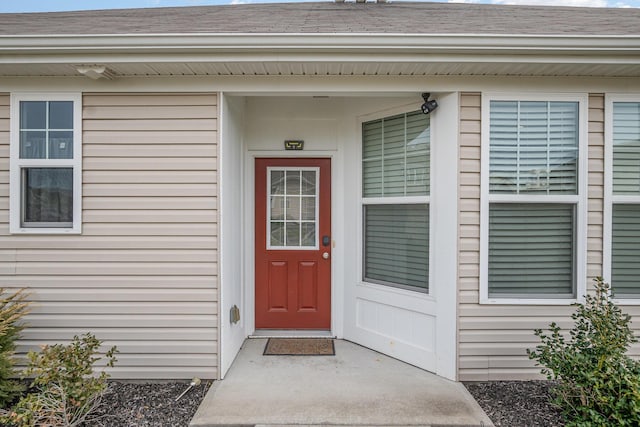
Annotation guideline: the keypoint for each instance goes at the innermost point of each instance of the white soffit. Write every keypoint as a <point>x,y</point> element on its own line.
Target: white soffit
<point>330,69</point>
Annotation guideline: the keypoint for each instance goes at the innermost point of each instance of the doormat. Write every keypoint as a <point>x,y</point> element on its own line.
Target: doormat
<point>299,347</point>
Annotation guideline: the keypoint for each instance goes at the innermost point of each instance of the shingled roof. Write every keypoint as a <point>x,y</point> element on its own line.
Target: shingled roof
<point>325,38</point>
<point>331,18</point>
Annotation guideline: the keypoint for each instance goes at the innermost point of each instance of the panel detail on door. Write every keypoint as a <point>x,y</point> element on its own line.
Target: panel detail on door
<point>293,265</point>
<point>278,283</point>
<point>308,279</point>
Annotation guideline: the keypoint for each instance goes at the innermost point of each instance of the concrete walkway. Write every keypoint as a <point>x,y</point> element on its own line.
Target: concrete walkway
<point>357,386</point>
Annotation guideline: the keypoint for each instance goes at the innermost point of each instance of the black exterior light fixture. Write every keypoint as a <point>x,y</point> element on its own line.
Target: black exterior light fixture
<point>428,106</point>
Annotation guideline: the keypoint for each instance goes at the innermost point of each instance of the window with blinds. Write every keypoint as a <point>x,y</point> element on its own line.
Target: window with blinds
<point>397,244</point>
<point>625,218</point>
<point>395,164</point>
<point>533,196</point>
<point>625,250</point>
<point>626,148</point>
<point>531,250</point>
<point>395,156</point>
<point>534,147</point>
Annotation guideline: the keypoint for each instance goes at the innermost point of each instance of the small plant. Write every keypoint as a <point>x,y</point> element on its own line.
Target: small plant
<point>13,306</point>
<point>598,384</point>
<point>65,390</point>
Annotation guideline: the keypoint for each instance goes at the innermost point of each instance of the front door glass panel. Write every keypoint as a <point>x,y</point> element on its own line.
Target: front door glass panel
<point>292,216</point>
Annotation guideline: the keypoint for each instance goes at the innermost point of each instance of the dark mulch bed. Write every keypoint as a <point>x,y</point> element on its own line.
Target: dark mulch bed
<point>126,404</point>
<point>150,404</point>
<point>517,403</point>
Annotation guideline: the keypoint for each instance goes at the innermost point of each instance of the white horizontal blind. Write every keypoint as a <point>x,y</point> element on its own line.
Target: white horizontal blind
<point>625,219</point>
<point>626,148</point>
<point>625,250</point>
<point>395,156</point>
<point>397,244</point>
<point>395,163</point>
<point>531,249</point>
<point>534,147</point>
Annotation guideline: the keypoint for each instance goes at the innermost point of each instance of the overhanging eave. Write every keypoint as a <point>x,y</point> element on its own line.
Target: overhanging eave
<point>304,54</point>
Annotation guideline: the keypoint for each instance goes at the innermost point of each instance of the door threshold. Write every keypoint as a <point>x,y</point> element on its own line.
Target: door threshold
<point>291,333</point>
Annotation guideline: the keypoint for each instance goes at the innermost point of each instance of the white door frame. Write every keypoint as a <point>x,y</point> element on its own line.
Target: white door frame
<point>249,238</point>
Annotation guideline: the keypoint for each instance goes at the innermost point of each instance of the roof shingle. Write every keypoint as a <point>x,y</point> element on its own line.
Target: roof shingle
<point>328,17</point>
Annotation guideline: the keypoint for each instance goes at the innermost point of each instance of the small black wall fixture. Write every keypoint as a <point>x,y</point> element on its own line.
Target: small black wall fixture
<point>428,106</point>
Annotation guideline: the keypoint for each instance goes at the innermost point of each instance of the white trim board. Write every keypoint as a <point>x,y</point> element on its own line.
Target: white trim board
<point>334,86</point>
<point>291,333</point>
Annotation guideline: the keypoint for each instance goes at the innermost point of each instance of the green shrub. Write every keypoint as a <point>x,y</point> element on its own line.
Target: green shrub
<point>12,308</point>
<point>65,390</point>
<point>597,383</point>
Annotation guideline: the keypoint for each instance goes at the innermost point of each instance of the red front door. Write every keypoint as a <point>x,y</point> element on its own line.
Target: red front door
<point>293,243</point>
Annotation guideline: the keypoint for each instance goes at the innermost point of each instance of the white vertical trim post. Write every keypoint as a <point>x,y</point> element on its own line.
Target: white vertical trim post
<point>223,316</point>
<point>444,236</point>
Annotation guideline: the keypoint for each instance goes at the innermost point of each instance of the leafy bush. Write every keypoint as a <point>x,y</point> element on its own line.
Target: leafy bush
<point>598,384</point>
<point>12,307</point>
<point>65,390</point>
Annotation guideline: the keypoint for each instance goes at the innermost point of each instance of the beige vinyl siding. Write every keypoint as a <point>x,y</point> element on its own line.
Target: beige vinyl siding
<point>492,338</point>
<point>595,206</point>
<point>143,274</point>
<point>7,254</point>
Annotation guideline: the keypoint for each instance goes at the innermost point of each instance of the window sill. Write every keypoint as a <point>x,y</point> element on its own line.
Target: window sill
<point>18,231</point>
<point>530,301</point>
<point>396,291</point>
<point>627,301</point>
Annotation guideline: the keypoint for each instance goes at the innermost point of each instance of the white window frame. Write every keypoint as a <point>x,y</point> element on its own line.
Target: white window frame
<point>609,198</point>
<point>579,200</point>
<point>394,200</point>
<point>16,164</point>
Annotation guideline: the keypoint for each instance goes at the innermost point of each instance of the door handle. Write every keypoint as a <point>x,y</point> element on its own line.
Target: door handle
<point>325,255</point>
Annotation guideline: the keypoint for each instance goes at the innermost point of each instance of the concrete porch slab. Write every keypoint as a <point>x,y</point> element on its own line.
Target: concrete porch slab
<point>357,386</point>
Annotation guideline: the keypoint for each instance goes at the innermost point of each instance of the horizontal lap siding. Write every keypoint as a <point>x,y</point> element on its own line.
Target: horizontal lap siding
<point>595,179</point>
<point>493,339</point>
<point>143,274</point>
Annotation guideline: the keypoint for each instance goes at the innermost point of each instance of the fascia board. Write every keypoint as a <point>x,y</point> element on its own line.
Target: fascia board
<point>315,48</point>
<point>379,43</point>
<point>320,57</point>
